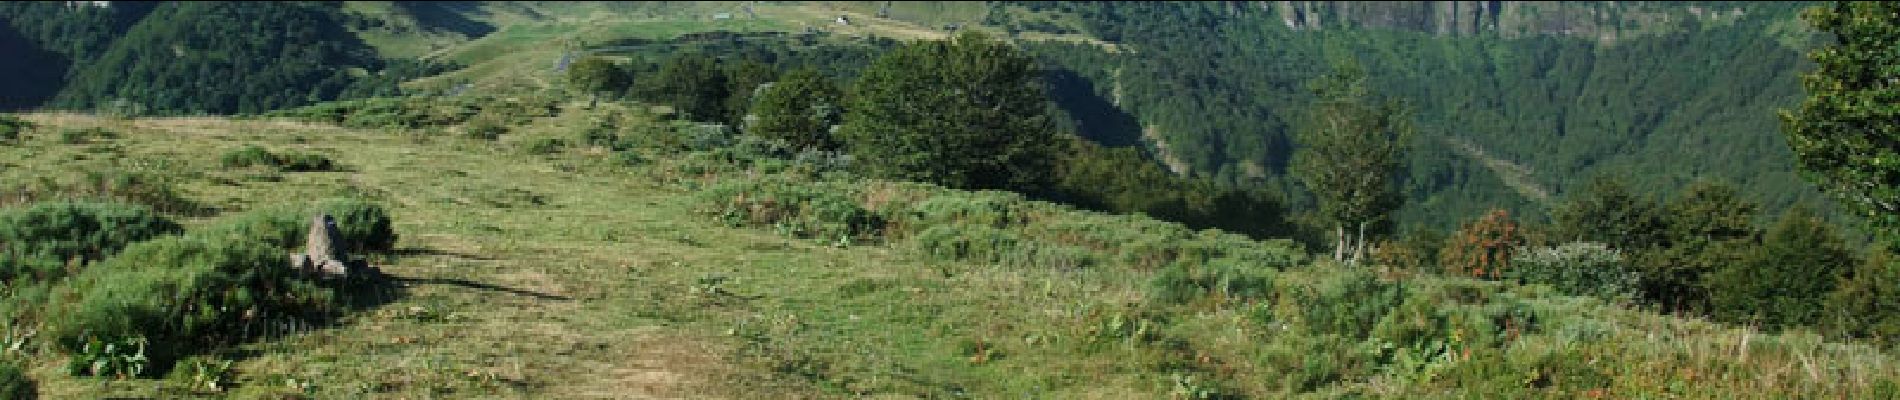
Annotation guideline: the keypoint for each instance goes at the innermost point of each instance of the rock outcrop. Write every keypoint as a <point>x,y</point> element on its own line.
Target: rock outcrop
<point>323,254</point>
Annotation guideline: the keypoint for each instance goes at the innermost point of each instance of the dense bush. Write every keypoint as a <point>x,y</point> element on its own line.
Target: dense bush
<point>14,384</point>
<point>1578,268</point>
<point>37,240</point>
<point>180,294</point>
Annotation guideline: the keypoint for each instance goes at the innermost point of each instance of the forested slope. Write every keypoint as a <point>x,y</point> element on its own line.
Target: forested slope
<point>1660,103</point>
<point>184,57</point>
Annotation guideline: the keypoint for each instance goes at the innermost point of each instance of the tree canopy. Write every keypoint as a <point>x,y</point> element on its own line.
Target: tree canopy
<point>800,108</point>
<point>967,113</point>
<point>1350,151</point>
<point>1846,134</point>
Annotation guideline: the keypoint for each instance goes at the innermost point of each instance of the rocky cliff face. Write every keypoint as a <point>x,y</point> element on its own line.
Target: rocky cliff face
<point>1604,21</point>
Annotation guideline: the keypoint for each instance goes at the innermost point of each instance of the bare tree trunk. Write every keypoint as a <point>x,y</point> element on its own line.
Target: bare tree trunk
<point>1339,243</point>
<point>1359,245</point>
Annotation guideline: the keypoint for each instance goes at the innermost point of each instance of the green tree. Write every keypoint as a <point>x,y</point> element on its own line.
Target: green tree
<point>1784,281</point>
<point>593,75</point>
<point>1867,299</point>
<point>1606,212</point>
<point>1846,134</point>
<point>1349,155</point>
<point>966,113</point>
<point>695,86</point>
<point>744,80</point>
<point>1709,227</point>
<point>1846,138</point>
<point>800,108</point>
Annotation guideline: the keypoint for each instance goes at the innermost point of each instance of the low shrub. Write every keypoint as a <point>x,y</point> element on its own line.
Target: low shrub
<point>987,208</point>
<point>253,155</point>
<point>1455,315</point>
<point>629,158</point>
<point>387,112</point>
<point>12,128</point>
<point>543,146</point>
<point>1337,301</point>
<point>601,135</point>
<point>304,162</point>
<point>1223,281</point>
<point>800,210</point>
<point>136,188</point>
<point>997,246</point>
<point>484,128</point>
<point>282,227</point>
<point>107,186</point>
<point>38,239</point>
<point>175,295</point>
<point>1580,268</point>
<point>247,156</point>
<point>85,135</point>
<point>362,226</point>
<point>14,384</point>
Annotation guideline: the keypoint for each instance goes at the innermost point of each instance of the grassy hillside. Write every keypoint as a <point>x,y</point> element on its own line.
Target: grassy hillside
<point>538,265</point>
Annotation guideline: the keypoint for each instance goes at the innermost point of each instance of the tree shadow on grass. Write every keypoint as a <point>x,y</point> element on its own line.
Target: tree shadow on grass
<point>479,286</point>
<point>420,251</point>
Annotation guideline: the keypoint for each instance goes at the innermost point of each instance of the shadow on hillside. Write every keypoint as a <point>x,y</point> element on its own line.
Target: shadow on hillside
<point>418,251</point>
<point>476,285</point>
<point>453,16</point>
<point>1097,118</point>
